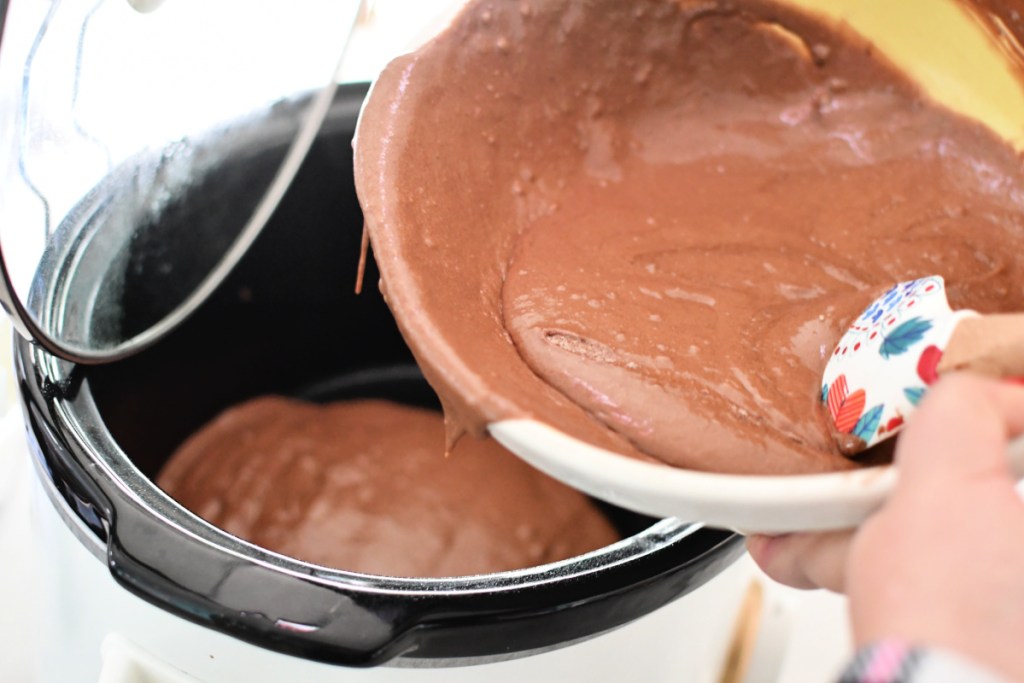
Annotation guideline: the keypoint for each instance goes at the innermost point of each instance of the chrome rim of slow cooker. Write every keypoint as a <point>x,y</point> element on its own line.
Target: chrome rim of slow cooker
<point>153,546</point>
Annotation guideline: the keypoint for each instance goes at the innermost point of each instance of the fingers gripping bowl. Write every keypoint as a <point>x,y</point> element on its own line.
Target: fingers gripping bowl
<point>473,154</point>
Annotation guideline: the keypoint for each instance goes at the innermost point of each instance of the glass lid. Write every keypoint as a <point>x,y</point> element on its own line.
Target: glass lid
<point>111,113</point>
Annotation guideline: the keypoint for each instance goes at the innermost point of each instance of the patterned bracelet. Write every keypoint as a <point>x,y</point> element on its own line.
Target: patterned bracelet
<point>894,661</point>
<point>887,661</point>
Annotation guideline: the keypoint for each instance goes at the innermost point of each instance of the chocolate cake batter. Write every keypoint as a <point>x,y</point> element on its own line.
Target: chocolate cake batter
<point>364,486</point>
<point>648,223</point>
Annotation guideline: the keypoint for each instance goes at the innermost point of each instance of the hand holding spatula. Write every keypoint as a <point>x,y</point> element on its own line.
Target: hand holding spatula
<point>898,346</point>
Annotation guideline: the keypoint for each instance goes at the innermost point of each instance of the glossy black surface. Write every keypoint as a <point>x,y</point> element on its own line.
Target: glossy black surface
<point>287,321</point>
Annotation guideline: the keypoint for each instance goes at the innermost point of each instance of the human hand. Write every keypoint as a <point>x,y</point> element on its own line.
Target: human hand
<point>941,564</point>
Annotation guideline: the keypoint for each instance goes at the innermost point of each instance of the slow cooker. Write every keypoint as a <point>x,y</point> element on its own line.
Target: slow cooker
<point>177,276</point>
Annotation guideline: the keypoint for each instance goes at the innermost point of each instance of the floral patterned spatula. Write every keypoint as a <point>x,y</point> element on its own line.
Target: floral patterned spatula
<point>898,346</point>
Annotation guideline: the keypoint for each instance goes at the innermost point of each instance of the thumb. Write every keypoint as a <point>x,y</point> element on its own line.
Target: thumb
<point>803,560</point>
<point>960,434</point>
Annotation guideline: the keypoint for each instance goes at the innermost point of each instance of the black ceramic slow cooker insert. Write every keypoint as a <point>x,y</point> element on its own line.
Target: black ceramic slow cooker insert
<point>287,321</point>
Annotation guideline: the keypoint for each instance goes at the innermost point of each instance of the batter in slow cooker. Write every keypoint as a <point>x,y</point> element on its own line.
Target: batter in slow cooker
<point>691,201</point>
<point>364,486</point>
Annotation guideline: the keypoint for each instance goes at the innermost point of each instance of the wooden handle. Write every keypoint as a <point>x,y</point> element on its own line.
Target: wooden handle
<point>989,345</point>
<point>744,635</point>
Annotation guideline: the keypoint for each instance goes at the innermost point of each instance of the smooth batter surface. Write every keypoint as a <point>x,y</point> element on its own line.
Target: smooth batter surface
<point>364,486</point>
<point>648,223</point>
<point>694,300</point>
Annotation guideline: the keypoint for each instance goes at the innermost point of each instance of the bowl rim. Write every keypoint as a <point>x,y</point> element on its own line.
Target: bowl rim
<point>747,503</point>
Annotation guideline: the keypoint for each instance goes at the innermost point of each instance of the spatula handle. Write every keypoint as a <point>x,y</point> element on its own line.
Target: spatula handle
<point>989,345</point>
<point>1015,451</point>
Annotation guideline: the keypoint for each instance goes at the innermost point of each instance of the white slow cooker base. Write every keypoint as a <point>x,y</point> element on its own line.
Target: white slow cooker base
<point>83,606</point>
<point>78,613</point>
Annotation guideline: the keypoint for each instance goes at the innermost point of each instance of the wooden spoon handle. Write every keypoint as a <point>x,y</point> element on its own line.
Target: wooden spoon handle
<point>990,345</point>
